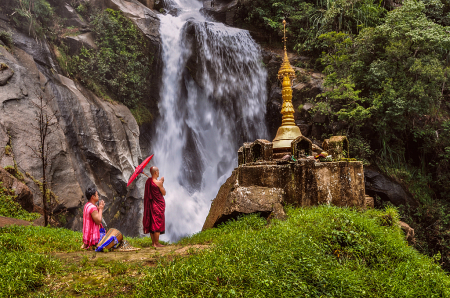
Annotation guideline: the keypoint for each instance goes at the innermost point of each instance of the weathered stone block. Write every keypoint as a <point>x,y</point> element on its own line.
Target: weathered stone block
<point>248,156</point>
<point>301,146</point>
<point>368,202</point>
<point>261,150</point>
<point>241,158</point>
<point>265,186</point>
<point>340,183</point>
<point>337,146</point>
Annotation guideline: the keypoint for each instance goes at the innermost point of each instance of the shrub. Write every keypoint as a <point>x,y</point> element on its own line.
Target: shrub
<point>120,68</point>
<point>6,38</point>
<point>10,208</point>
<point>32,16</point>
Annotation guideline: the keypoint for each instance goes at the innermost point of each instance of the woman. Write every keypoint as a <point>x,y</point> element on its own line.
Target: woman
<point>92,218</point>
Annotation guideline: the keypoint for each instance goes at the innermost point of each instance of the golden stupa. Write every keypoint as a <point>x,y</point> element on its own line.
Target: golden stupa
<point>288,131</point>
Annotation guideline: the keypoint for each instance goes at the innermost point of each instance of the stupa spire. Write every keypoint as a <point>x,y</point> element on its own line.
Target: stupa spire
<point>288,131</point>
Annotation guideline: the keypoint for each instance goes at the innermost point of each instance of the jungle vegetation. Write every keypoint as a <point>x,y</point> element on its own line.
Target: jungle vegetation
<point>387,71</point>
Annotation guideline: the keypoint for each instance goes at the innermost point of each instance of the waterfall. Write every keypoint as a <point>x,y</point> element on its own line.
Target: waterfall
<point>213,98</point>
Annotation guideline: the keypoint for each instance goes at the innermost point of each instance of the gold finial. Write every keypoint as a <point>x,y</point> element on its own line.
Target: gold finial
<point>286,68</point>
<point>288,131</point>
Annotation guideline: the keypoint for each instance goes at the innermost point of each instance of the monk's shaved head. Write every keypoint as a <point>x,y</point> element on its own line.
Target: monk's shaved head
<point>153,170</point>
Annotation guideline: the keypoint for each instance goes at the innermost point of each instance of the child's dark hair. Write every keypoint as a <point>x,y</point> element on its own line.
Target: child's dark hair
<point>90,191</point>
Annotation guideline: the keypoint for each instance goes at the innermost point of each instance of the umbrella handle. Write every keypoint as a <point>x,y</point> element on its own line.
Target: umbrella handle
<point>145,174</point>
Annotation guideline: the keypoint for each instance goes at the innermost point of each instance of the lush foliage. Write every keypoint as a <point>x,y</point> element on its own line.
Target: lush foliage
<point>10,208</point>
<point>120,68</point>
<point>317,252</point>
<point>32,16</point>
<point>309,19</point>
<point>388,85</point>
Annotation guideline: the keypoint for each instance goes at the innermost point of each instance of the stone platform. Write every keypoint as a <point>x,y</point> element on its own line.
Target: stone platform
<point>266,186</point>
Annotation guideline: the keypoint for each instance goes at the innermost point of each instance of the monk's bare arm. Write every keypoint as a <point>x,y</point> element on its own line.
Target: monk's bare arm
<point>161,187</point>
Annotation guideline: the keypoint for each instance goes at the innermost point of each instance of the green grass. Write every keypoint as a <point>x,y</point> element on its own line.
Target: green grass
<point>317,252</point>
<point>25,261</point>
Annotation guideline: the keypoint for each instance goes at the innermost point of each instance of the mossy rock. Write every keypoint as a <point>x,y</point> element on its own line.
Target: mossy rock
<point>337,147</point>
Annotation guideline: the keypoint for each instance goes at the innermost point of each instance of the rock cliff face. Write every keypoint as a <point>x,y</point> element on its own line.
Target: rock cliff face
<point>93,142</point>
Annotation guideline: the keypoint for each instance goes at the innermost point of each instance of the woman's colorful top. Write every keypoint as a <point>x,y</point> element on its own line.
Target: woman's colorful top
<point>91,230</point>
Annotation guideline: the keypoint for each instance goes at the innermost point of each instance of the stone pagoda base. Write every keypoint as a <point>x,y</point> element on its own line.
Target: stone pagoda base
<point>266,186</point>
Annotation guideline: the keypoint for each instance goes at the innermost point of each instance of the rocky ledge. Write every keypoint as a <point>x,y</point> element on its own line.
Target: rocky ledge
<point>266,186</point>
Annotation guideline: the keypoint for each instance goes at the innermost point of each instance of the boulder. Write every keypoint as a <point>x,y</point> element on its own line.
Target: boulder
<point>149,3</point>
<point>23,193</point>
<point>221,10</point>
<point>70,16</point>
<point>377,184</point>
<point>409,232</point>
<point>305,111</point>
<point>317,131</point>
<point>76,43</point>
<point>319,117</point>
<point>233,200</point>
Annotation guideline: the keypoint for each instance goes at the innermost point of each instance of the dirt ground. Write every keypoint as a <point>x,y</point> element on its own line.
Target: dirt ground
<point>147,255</point>
<point>7,221</point>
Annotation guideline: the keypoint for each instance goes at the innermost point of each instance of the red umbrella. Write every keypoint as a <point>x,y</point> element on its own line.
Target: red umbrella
<point>139,170</point>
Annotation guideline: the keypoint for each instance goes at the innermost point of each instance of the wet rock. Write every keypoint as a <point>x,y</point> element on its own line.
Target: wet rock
<point>37,49</point>
<point>378,184</point>
<point>69,15</point>
<point>305,129</point>
<point>317,131</point>
<point>149,3</point>
<point>221,10</point>
<point>23,193</point>
<point>319,117</point>
<point>266,186</point>
<point>76,43</point>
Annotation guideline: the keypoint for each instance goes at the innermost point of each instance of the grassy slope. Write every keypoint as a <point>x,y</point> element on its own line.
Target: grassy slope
<point>317,252</point>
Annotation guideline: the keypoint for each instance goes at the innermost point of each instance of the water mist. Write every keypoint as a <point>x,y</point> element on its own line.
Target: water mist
<point>213,98</point>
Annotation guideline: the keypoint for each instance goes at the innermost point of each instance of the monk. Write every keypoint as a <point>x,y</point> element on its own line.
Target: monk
<point>92,218</point>
<point>154,207</point>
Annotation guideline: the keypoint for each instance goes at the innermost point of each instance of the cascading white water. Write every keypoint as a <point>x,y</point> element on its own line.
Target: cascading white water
<point>206,112</point>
